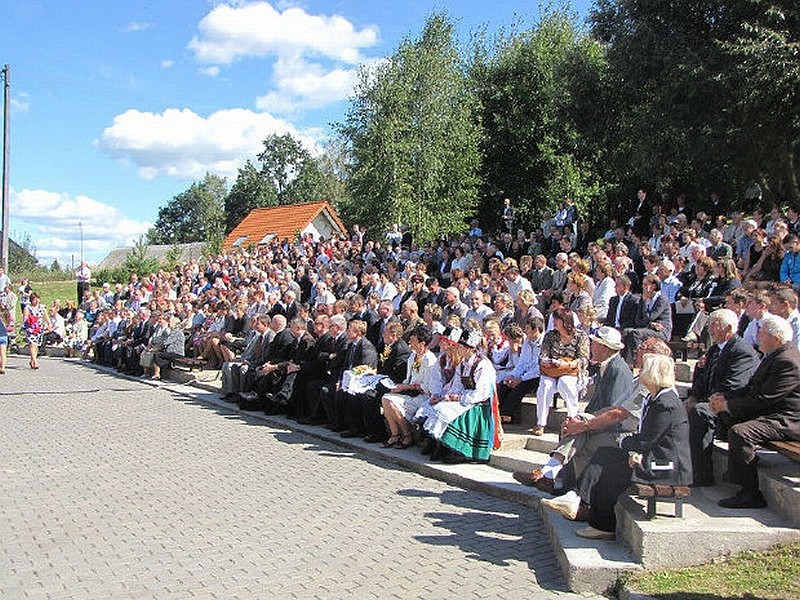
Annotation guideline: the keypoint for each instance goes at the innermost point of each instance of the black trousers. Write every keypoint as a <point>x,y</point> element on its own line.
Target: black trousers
<point>743,438</point>
<point>511,398</point>
<point>602,482</point>
<point>702,426</point>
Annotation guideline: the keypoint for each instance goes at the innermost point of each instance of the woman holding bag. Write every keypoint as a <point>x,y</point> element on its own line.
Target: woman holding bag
<point>563,361</point>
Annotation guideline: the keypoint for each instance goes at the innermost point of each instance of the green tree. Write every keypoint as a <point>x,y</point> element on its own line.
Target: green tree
<point>763,77</point>
<point>412,135</point>
<point>290,169</point>
<point>540,92</point>
<point>705,93</point>
<point>195,215</point>
<point>251,190</point>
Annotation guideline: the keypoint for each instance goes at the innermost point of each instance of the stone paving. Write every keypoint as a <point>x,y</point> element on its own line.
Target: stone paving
<point>113,488</point>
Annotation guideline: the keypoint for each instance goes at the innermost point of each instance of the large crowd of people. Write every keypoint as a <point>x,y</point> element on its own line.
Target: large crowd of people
<point>438,343</point>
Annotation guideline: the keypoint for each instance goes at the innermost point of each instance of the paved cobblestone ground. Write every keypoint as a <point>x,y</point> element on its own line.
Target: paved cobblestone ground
<point>111,488</point>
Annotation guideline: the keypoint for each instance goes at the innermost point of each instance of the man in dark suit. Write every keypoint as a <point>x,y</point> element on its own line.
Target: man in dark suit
<point>768,409</point>
<point>361,312</point>
<point>726,369</point>
<point>653,318</point>
<point>277,389</point>
<point>326,369</point>
<point>622,308</point>
<point>280,350</point>
<point>360,351</point>
<point>363,413</point>
<point>418,293</point>
<point>385,316</point>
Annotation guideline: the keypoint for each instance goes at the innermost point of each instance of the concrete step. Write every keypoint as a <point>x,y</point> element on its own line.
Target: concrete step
<point>517,460</point>
<point>708,530</point>
<point>587,565</point>
<point>778,480</point>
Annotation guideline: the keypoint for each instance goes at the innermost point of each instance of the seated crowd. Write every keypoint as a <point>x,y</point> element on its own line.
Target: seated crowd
<point>439,343</point>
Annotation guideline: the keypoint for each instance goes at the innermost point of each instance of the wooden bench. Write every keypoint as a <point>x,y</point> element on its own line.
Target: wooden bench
<point>790,450</point>
<point>653,492</point>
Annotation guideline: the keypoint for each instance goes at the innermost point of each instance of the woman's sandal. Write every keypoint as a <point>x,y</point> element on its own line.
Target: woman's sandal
<point>406,441</point>
<point>391,441</point>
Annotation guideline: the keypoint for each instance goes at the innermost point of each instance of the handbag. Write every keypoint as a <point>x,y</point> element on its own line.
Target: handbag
<point>555,371</point>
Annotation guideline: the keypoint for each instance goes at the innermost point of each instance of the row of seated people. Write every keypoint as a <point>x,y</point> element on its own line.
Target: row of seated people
<point>746,395</point>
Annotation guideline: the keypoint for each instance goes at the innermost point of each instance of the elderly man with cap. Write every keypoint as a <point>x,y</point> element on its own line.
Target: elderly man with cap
<point>462,422</point>
<point>614,382</point>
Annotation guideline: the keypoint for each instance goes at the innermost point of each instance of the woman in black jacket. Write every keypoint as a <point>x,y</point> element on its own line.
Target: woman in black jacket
<point>657,453</point>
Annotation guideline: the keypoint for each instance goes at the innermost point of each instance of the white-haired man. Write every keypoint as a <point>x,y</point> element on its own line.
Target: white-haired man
<point>726,369</point>
<point>768,409</point>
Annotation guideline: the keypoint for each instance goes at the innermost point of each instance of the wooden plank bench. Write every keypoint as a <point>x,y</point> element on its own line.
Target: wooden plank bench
<point>790,450</point>
<point>654,492</point>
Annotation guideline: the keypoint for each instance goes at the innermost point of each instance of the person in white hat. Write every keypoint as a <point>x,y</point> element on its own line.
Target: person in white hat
<point>614,382</point>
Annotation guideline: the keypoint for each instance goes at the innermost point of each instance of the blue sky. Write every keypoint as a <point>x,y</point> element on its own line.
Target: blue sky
<point>117,106</point>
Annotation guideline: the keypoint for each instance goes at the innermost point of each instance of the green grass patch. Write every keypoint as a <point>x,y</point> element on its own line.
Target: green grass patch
<point>773,574</point>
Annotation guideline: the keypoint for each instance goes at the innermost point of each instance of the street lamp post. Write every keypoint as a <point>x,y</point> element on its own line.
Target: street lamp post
<point>6,107</point>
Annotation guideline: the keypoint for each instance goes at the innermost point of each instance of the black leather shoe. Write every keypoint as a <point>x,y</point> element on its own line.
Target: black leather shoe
<point>371,439</point>
<point>350,434</point>
<point>454,458</point>
<point>744,500</point>
<point>427,446</point>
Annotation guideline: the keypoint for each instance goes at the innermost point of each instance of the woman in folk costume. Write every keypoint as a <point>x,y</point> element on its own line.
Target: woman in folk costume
<point>423,380</point>
<point>463,423</point>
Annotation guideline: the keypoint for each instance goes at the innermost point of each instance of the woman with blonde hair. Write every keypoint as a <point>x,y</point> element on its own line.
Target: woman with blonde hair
<point>658,453</point>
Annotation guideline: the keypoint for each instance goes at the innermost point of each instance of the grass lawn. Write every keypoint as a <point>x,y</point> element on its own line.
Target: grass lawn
<point>772,575</point>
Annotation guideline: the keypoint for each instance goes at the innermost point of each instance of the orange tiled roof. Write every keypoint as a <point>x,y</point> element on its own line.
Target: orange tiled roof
<point>283,221</point>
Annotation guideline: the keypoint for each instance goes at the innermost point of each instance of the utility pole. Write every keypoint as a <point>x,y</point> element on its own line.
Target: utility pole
<point>6,144</point>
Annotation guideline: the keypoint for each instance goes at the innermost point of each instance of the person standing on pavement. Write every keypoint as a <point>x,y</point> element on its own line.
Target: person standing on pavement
<point>84,275</point>
<point>33,322</point>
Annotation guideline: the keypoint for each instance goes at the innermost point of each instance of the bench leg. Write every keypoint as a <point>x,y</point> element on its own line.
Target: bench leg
<point>679,508</point>
<point>651,507</point>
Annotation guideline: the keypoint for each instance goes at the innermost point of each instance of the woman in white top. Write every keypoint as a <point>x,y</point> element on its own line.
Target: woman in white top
<point>423,380</point>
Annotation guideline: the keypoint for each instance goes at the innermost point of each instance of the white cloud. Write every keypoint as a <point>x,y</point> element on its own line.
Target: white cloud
<point>316,54</point>
<point>166,63</point>
<point>136,26</point>
<point>181,143</point>
<point>56,221</point>
<point>306,85</point>
<point>210,71</point>
<point>234,30</point>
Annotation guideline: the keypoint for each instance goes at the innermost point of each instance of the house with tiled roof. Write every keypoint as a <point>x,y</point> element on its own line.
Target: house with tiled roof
<point>262,225</point>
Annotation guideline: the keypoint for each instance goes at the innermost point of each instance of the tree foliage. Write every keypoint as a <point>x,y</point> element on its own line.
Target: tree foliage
<point>195,215</point>
<point>703,92</point>
<point>251,190</point>
<point>413,139</point>
<point>539,91</point>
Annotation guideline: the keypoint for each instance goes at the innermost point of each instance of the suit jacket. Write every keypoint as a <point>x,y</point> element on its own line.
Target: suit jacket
<point>281,348</point>
<point>374,330</point>
<point>335,360</point>
<point>615,382</point>
<point>369,316</point>
<point>661,312</point>
<point>773,392</point>
<point>627,317</point>
<point>727,371</point>
<point>361,352</point>
<point>664,438</point>
<point>541,279</point>
<point>395,365</point>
